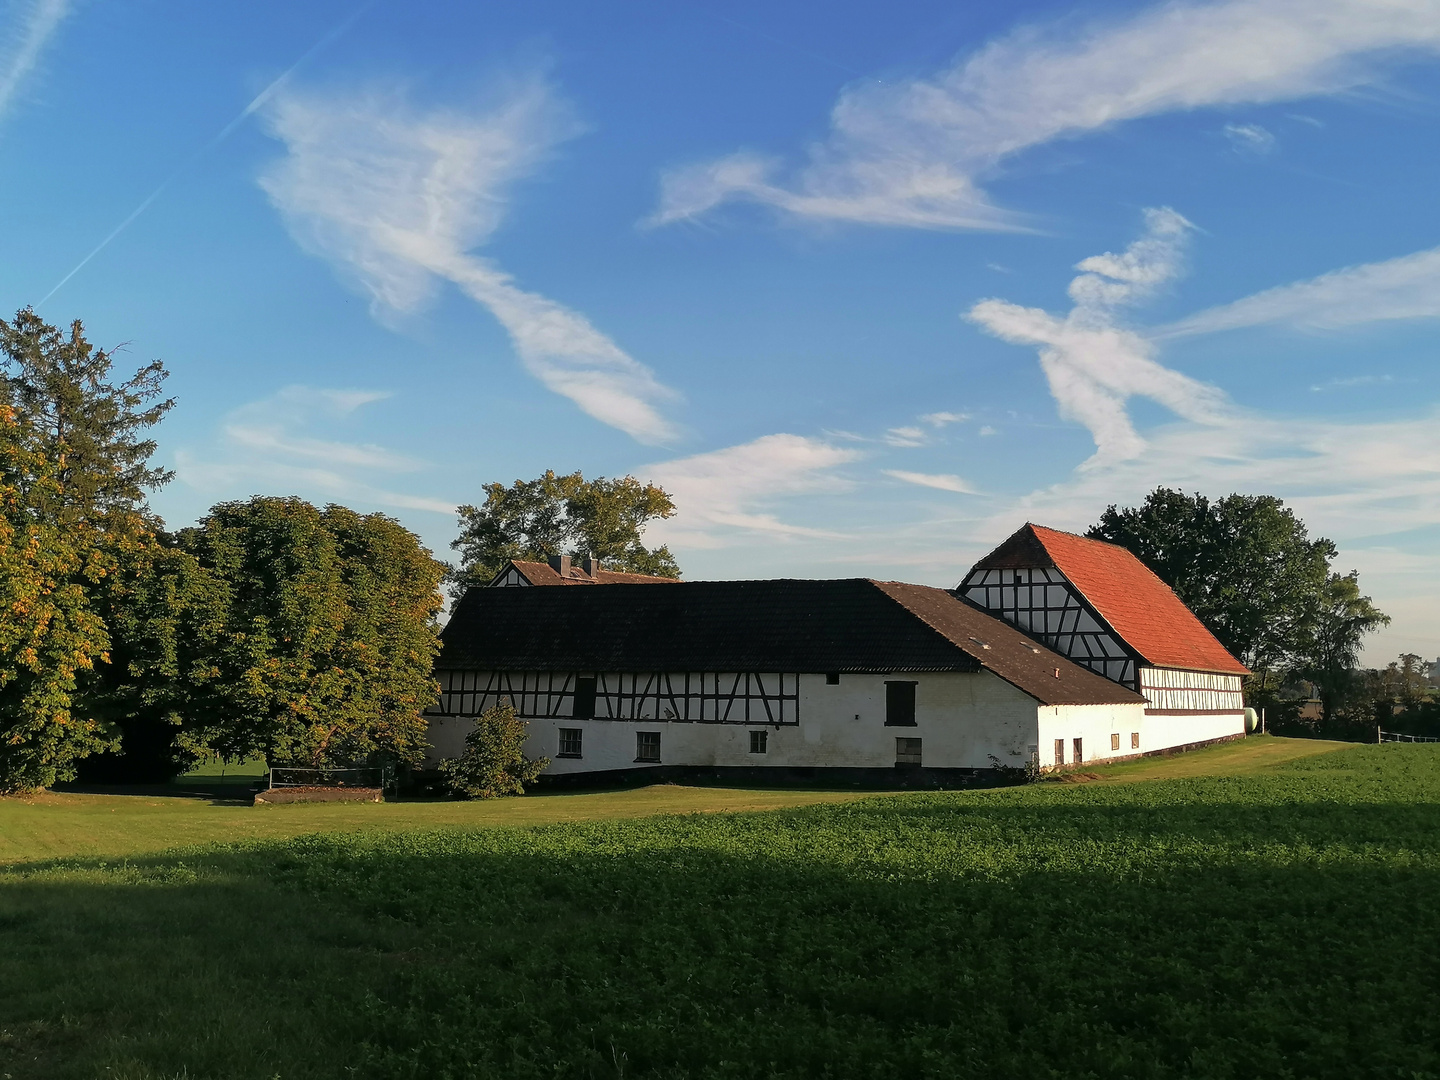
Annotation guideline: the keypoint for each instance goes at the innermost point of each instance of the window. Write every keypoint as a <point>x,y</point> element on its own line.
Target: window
<point>1115,741</point>
<point>647,746</point>
<point>1079,756</point>
<point>907,751</point>
<point>758,739</point>
<point>569,742</point>
<point>832,678</point>
<point>900,704</point>
<point>1059,751</point>
<point>1134,740</point>
<point>584,699</point>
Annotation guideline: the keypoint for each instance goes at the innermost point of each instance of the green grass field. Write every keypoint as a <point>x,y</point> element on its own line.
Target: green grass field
<point>1266,908</point>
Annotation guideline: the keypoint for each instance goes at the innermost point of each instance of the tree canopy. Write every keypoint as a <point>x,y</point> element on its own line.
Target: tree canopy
<point>1245,564</point>
<point>562,515</point>
<point>51,638</point>
<point>1342,619</point>
<point>75,521</point>
<point>315,636</point>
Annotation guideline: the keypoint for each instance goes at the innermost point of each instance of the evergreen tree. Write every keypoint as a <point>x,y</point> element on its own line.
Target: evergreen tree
<point>79,470</point>
<point>50,637</point>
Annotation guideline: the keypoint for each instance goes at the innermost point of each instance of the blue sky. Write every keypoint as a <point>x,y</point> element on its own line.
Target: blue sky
<point>864,292</point>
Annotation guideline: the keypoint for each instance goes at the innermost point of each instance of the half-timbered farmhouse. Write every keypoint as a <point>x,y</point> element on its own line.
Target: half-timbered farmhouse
<point>1054,648</point>
<point>1099,605</point>
<point>854,675</point>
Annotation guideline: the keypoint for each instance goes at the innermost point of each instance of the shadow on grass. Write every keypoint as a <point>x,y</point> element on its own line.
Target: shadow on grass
<point>218,793</point>
<point>916,936</point>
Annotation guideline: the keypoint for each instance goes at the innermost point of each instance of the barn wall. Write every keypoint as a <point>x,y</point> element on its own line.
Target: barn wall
<point>1094,724</point>
<point>960,718</point>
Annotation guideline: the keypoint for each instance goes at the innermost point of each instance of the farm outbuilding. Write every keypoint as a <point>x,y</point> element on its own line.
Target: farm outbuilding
<point>1100,606</point>
<point>853,675</point>
<point>1054,649</point>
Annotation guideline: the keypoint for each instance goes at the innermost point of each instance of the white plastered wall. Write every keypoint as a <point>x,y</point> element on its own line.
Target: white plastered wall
<point>1095,724</point>
<point>962,718</point>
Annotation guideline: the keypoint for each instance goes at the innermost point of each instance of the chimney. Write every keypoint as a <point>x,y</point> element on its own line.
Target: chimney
<point>592,568</point>
<point>561,565</point>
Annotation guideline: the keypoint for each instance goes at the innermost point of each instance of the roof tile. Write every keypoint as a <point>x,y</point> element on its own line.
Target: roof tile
<point>1140,608</point>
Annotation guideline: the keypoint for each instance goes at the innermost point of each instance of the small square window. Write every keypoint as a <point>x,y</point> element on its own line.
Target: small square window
<point>1059,751</point>
<point>1079,756</point>
<point>647,746</point>
<point>759,741</point>
<point>1115,741</point>
<point>832,678</point>
<point>1134,740</point>
<point>569,742</point>
<point>907,752</point>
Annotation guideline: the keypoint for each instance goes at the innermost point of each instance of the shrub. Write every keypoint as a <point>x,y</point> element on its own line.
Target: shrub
<point>494,763</point>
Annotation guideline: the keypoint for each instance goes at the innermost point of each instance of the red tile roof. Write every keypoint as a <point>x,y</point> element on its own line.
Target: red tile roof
<point>539,573</point>
<point>1140,608</point>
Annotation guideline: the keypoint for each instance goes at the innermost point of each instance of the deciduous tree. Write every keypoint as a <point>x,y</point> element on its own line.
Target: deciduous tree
<point>559,515</point>
<point>318,645</point>
<point>1245,564</point>
<point>1342,619</point>
<point>494,763</point>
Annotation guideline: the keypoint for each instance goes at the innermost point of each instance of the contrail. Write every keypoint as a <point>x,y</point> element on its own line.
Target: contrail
<point>224,133</point>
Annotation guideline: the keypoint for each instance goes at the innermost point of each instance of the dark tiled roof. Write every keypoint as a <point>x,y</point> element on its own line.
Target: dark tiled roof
<point>539,573</point>
<point>1042,673</point>
<point>852,625</point>
<point>1140,608</point>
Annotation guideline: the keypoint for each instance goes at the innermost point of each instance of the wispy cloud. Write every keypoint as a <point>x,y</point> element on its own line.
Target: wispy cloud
<point>266,445</point>
<point>1094,364</point>
<point>1404,288</point>
<point>725,493</point>
<point>1249,138</point>
<point>941,419</point>
<point>1346,479</point>
<point>916,152</point>
<point>943,481</point>
<point>23,42</point>
<point>397,199</point>
<point>905,436</point>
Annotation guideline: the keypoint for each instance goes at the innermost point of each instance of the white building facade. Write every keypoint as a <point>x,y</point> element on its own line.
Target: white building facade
<point>873,679</point>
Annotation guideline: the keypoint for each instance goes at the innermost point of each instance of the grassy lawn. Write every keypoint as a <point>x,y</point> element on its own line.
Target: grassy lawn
<point>1252,756</point>
<point>55,825</point>
<point>1265,909</point>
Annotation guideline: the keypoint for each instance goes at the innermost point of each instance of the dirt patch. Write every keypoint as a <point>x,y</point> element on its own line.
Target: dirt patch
<point>1075,777</point>
<point>319,794</point>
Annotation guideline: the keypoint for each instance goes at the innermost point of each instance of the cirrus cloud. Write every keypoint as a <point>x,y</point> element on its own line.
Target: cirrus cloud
<point>917,152</point>
<point>397,199</point>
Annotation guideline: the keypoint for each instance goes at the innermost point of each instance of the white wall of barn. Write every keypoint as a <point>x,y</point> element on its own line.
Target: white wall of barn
<point>961,718</point>
<point>1094,725</point>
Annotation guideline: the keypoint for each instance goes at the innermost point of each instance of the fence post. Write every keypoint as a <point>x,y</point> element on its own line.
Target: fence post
<point>1379,735</point>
